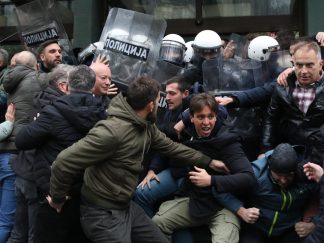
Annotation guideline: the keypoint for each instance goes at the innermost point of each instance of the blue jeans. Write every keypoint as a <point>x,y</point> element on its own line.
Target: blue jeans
<point>7,195</point>
<point>147,198</point>
<point>25,217</point>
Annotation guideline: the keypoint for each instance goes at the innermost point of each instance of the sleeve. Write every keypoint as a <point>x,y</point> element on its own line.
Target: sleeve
<point>157,163</point>
<point>167,147</point>
<point>100,143</point>
<point>241,177</point>
<point>36,133</point>
<point>6,128</point>
<point>271,122</point>
<point>255,96</point>
<point>228,200</point>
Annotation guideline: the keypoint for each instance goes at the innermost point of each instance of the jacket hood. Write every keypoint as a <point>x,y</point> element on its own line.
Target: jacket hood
<point>15,75</point>
<point>120,108</point>
<point>82,110</point>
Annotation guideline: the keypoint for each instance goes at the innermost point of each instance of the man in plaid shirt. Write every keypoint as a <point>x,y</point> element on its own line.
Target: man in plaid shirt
<point>296,112</point>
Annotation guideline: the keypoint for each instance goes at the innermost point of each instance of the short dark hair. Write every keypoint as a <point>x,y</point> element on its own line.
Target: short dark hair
<point>199,101</point>
<point>82,78</point>
<point>182,82</point>
<point>42,46</point>
<point>59,74</point>
<point>142,91</point>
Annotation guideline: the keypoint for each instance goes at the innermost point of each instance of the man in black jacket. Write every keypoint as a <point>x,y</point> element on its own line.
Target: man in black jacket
<point>58,126</point>
<point>296,112</point>
<point>26,189</point>
<point>197,205</point>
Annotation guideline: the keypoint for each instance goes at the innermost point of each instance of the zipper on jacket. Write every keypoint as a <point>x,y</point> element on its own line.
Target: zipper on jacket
<point>275,218</point>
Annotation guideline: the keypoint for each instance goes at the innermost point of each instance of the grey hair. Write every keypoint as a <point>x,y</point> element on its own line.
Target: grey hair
<point>4,56</point>
<point>60,74</point>
<point>82,78</point>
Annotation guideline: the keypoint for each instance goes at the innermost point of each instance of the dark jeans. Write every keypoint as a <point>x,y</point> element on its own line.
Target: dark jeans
<point>63,227</point>
<point>26,206</point>
<point>122,226</point>
<point>250,234</point>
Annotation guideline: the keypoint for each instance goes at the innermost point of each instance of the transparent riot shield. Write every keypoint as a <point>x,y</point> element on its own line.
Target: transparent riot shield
<point>38,22</point>
<point>240,44</point>
<point>133,41</point>
<point>278,62</point>
<point>225,76</point>
<point>165,70</point>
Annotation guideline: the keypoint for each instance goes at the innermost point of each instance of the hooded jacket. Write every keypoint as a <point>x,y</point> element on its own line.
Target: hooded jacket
<point>112,154</point>
<point>58,126</point>
<point>21,83</point>
<point>279,208</point>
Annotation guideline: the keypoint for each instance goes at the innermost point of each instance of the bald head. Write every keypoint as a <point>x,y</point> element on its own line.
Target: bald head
<point>26,58</point>
<point>103,78</point>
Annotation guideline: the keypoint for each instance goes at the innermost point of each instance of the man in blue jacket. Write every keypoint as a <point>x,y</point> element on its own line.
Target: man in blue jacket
<point>274,207</point>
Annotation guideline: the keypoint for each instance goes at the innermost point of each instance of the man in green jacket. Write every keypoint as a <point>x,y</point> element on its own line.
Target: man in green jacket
<point>111,156</point>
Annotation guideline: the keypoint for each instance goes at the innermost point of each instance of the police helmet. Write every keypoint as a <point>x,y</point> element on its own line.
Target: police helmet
<point>207,41</point>
<point>261,47</point>
<point>189,52</point>
<point>173,49</point>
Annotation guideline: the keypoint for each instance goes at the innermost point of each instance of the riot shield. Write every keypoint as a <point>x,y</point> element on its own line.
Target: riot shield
<point>278,62</point>
<point>165,70</point>
<point>240,44</point>
<point>132,41</point>
<point>225,76</point>
<point>38,22</point>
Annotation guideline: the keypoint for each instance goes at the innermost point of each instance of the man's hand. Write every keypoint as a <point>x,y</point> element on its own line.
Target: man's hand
<point>313,171</point>
<point>10,114</point>
<point>102,59</point>
<point>219,166</point>
<point>57,207</point>
<point>260,156</point>
<point>224,100</point>
<point>112,90</point>
<point>249,215</point>
<point>320,38</point>
<point>282,78</point>
<point>200,177</point>
<point>229,50</point>
<point>179,128</point>
<point>147,180</point>
<point>303,229</point>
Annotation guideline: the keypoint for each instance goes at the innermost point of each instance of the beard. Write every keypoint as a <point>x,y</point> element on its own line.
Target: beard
<point>152,117</point>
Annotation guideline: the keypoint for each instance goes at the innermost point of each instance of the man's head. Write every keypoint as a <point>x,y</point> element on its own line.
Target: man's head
<point>203,113</point>
<point>50,53</point>
<point>82,78</point>
<point>308,63</point>
<point>176,89</point>
<point>283,164</point>
<point>26,58</point>
<point>143,95</point>
<point>58,77</point>
<point>103,78</point>
<point>4,57</point>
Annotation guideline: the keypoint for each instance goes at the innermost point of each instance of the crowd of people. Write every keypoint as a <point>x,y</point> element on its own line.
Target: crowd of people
<point>82,161</point>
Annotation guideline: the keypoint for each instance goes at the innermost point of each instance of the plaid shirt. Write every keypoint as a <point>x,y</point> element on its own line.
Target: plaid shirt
<point>304,96</point>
